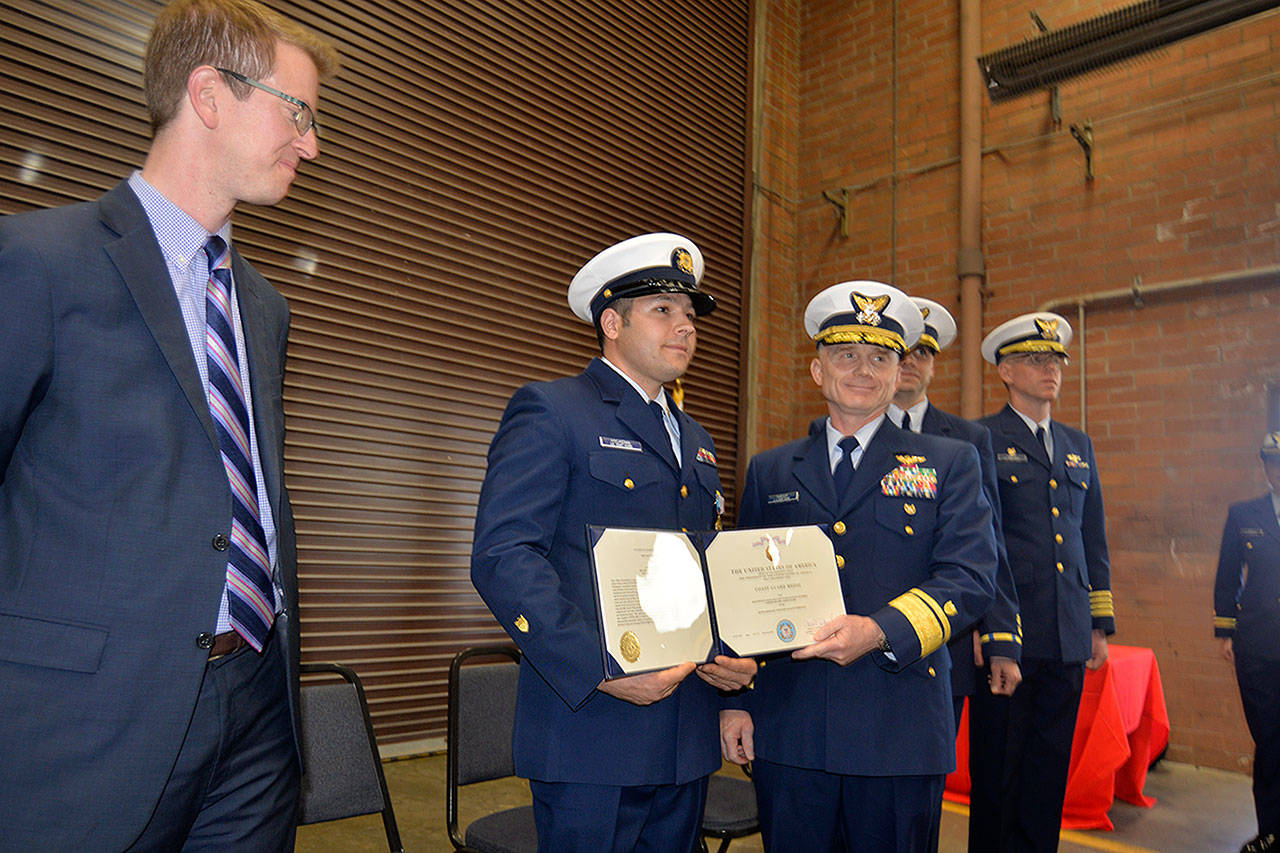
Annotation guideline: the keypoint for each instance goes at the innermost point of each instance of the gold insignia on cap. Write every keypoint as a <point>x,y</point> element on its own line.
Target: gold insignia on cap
<point>682,260</point>
<point>522,624</point>
<point>629,645</point>
<point>869,307</point>
<point>924,312</point>
<point>1048,329</point>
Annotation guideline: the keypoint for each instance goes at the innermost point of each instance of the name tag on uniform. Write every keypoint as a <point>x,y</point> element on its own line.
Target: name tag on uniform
<point>620,444</point>
<point>784,498</point>
<point>1250,531</point>
<point>1011,454</point>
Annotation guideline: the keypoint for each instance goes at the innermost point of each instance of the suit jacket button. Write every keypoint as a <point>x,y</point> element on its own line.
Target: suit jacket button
<point>629,483</point>
<point>204,640</point>
<point>839,562</point>
<point>221,543</point>
<point>1053,484</point>
<point>838,528</point>
<point>684,491</point>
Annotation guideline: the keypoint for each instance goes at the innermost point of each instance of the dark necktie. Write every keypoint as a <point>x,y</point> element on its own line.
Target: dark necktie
<point>1040,436</point>
<point>250,597</point>
<point>661,415</point>
<point>906,420</point>
<point>843,473</point>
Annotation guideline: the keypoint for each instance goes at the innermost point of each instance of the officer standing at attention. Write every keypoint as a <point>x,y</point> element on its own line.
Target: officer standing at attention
<point>852,736</point>
<point>1246,606</point>
<point>614,765</point>
<point>998,636</point>
<point>1055,534</point>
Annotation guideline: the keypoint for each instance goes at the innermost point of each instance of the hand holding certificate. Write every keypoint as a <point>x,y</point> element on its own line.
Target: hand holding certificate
<point>667,597</point>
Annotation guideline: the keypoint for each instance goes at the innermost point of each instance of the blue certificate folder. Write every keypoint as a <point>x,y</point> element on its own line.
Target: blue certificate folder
<point>655,606</point>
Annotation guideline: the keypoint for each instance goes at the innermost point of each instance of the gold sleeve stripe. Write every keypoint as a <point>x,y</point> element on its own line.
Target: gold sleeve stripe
<point>1224,622</point>
<point>1101,603</point>
<point>931,625</point>
<point>1001,637</point>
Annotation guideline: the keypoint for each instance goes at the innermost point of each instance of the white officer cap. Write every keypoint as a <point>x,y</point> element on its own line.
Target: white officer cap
<point>1039,331</point>
<point>1271,445</point>
<point>864,312</point>
<point>939,326</point>
<point>650,263</point>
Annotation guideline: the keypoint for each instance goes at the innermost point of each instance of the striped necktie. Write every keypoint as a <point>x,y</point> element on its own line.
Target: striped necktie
<point>250,597</point>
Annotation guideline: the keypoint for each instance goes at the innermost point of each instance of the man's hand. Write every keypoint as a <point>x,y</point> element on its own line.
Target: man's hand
<point>736,736</point>
<point>843,640</point>
<point>1227,650</point>
<point>977,650</point>
<point>647,688</point>
<point>1005,675</point>
<point>728,673</point>
<point>1099,656</point>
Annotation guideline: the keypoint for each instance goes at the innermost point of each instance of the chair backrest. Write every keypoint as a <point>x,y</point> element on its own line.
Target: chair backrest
<point>342,770</point>
<point>482,710</point>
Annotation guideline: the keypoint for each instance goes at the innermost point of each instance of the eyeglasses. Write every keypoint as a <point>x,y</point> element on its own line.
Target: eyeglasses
<point>1040,359</point>
<point>304,118</point>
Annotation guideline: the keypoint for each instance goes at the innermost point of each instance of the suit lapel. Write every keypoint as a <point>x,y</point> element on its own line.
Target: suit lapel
<point>813,470</point>
<point>877,459</point>
<point>633,411</point>
<point>1015,429</point>
<point>261,354</point>
<point>137,258</point>
<point>932,423</point>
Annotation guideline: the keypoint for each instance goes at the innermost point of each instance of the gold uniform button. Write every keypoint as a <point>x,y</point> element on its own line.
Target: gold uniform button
<point>839,562</point>
<point>931,672</point>
<point>684,491</point>
<point>1059,568</point>
<point>1084,486</point>
<point>909,509</point>
<point>629,483</point>
<point>1013,478</point>
<point>1057,537</point>
<point>1055,512</point>
<point>1248,546</point>
<point>909,531</point>
<point>839,528</point>
<point>1053,484</point>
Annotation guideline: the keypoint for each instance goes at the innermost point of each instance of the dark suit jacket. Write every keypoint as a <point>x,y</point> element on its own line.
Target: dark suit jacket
<point>112,490</point>
<point>1056,535</point>
<point>998,628</point>
<point>921,566</point>
<point>1246,592</point>
<point>576,451</point>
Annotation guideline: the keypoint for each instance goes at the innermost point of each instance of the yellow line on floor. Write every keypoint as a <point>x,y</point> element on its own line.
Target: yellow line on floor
<point>1084,839</point>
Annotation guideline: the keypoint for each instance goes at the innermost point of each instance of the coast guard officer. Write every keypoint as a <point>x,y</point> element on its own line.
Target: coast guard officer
<point>613,765</point>
<point>997,645</point>
<point>1246,606</point>
<point>1055,534</point>
<point>852,737</point>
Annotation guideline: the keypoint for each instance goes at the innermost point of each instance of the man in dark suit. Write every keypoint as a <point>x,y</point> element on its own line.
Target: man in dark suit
<point>1246,607</point>
<point>994,647</point>
<point>614,764</point>
<point>852,736</point>
<point>1055,535</point>
<point>148,589</point>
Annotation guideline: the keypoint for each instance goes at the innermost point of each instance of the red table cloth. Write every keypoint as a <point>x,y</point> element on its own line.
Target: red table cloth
<point>1123,725</point>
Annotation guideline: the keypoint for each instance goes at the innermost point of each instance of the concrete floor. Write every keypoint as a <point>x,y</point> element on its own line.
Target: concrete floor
<point>1199,811</point>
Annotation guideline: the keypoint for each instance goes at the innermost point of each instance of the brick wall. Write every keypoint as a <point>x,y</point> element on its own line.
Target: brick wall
<point>1187,184</point>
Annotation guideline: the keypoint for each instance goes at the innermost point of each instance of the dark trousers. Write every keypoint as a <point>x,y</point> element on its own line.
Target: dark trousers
<point>1259,681</point>
<point>235,783</point>
<point>816,812</point>
<point>574,817</point>
<point>1019,755</point>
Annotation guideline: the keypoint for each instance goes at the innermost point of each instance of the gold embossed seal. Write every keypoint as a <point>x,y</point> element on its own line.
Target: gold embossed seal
<point>630,646</point>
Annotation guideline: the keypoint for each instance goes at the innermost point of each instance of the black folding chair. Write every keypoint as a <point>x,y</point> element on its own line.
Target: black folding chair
<point>482,708</point>
<point>731,810</point>
<point>343,772</point>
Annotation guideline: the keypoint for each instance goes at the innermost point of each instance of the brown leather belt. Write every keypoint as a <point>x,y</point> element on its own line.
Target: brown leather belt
<point>225,644</point>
